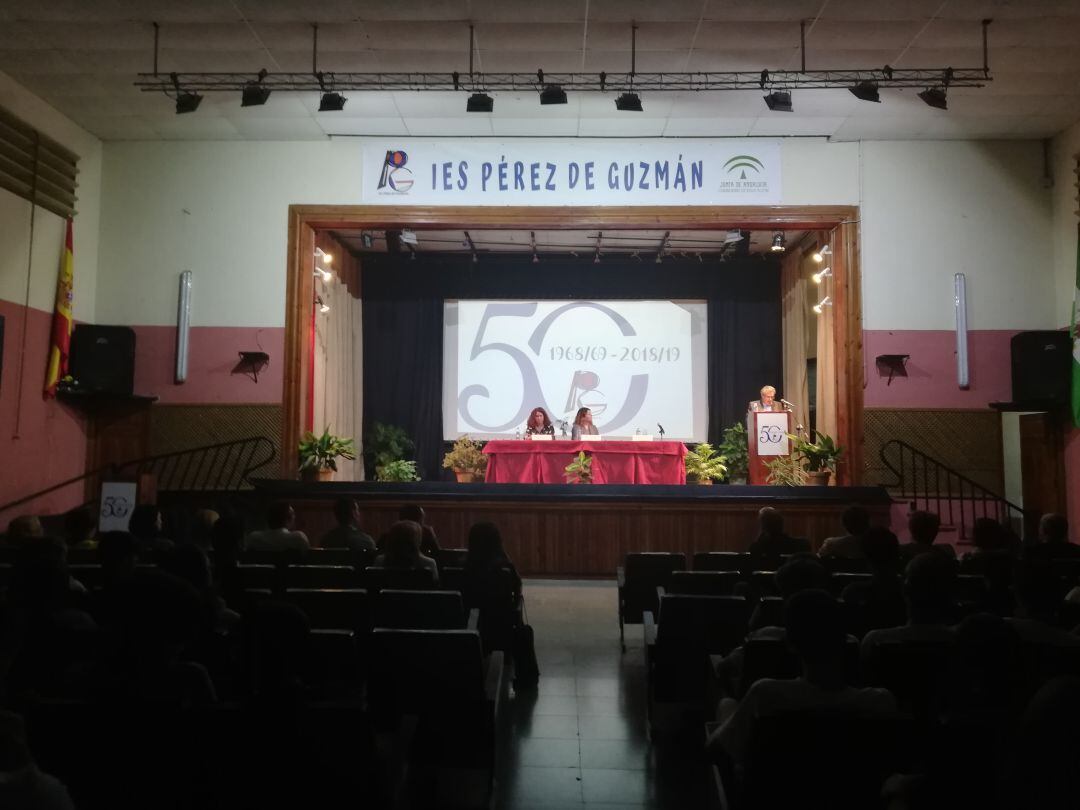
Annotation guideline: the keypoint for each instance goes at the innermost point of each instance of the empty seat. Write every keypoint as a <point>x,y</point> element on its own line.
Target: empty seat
<point>707,583</point>
<point>407,579</point>
<point>764,582</point>
<point>256,576</point>
<point>333,669</point>
<point>321,576</point>
<point>638,580</point>
<point>419,610</point>
<point>720,561</point>
<point>333,608</point>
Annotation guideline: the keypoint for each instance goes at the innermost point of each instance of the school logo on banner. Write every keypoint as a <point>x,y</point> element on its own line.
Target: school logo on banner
<point>755,183</point>
<point>395,176</point>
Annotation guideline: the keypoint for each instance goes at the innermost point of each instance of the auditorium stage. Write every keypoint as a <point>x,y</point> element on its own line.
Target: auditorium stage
<point>584,530</point>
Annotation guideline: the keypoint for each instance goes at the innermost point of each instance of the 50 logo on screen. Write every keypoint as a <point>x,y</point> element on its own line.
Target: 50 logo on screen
<point>584,385</point>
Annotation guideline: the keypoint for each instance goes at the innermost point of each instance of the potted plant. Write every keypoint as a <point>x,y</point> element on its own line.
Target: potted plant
<point>736,453</point>
<point>466,458</point>
<point>319,455</point>
<point>384,444</point>
<point>785,471</point>
<point>704,464</point>
<point>579,471</point>
<point>398,470</point>
<point>819,457</point>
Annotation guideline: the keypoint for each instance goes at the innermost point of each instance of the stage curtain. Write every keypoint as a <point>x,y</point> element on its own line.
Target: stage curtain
<point>403,311</point>
<point>796,285</point>
<point>338,369</point>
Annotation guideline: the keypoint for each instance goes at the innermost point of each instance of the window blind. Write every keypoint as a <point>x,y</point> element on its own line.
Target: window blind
<point>35,167</point>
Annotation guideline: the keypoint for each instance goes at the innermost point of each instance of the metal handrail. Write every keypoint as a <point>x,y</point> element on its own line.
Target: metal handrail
<point>953,497</point>
<point>222,467</point>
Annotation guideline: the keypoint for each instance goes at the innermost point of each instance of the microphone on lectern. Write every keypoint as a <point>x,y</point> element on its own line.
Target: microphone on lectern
<point>661,429</point>
<point>786,404</point>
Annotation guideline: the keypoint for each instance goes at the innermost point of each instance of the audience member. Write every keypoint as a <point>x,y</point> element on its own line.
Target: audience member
<point>772,542</point>
<point>429,543</point>
<point>815,632</point>
<point>23,528</point>
<point>487,565</point>
<point>279,534</point>
<point>923,528</point>
<point>1041,768</point>
<point>1053,540</point>
<point>22,785</point>
<point>202,528</point>
<point>879,602</point>
<point>928,594</point>
<point>856,520</point>
<point>190,563</point>
<point>403,549</point>
<point>347,533</point>
<point>1039,594</point>
<point>278,648</point>
<point>145,526</point>
<point>80,528</point>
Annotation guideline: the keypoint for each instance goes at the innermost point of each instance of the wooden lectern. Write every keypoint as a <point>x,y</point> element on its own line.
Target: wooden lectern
<point>767,433</point>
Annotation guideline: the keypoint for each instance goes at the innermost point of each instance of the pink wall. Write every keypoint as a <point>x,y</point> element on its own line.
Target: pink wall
<point>51,441</point>
<point>213,352</point>
<point>931,380</point>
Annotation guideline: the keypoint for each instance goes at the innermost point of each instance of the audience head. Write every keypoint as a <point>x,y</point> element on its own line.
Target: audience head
<point>228,537</point>
<point>403,544</point>
<point>856,520</point>
<point>986,534</point>
<point>347,512</point>
<point>23,528</point>
<point>189,563</point>
<point>202,528</point>
<point>928,588</point>
<point>986,665</point>
<point>923,527</point>
<point>39,577</point>
<point>1038,591</point>
<point>881,549</point>
<point>413,512</point>
<point>162,614</point>
<point>1043,764</point>
<point>1053,528</point>
<point>280,515</point>
<point>117,552</point>
<point>485,545</point>
<point>771,521</point>
<point>79,525</point>
<point>815,631</point>
<point>145,522</point>
<point>802,572</point>
<point>15,757</point>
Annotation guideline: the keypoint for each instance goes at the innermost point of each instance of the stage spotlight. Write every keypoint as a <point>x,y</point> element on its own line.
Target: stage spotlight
<point>935,97</point>
<point>324,274</point>
<point>866,91</point>
<point>332,102</point>
<point>321,254</point>
<point>820,305</point>
<point>779,101</point>
<point>187,102</point>
<point>778,242</point>
<point>819,255</point>
<point>323,307</point>
<point>552,94</point>
<point>407,237</point>
<point>366,241</point>
<point>628,102</point>
<point>255,95</point>
<point>821,275</point>
<point>731,237</point>
<point>480,102</point>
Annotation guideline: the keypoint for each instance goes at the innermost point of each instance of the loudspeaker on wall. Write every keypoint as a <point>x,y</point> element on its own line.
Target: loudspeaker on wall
<point>103,358</point>
<point>1042,367</point>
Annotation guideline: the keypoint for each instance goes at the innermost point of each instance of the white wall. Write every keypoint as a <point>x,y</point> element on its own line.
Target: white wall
<point>934,208</point>
<point>1065,147</point>
<point>49,228</point>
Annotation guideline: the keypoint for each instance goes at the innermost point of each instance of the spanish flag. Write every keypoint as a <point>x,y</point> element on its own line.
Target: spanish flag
<point>63,323</point>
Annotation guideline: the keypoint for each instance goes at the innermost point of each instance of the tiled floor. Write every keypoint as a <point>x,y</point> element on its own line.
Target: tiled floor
<point>581,740</point>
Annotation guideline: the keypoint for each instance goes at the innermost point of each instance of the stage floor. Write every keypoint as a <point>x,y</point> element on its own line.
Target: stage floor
<point>584,530</point>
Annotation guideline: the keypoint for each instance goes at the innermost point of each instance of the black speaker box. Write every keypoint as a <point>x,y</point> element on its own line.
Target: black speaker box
<point>103,359</point>
<point>1042,367</point>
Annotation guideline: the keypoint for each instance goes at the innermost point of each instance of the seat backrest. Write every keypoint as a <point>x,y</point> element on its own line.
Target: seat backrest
<point>451,557</point>
<point>419,610</point>
<point>652,568</point>
<point>912,670</point>
<point>321,576</point>
<point>839,581</point>
<point>845,565</point>
<point>416,671</point>
<point>255,557</point>
<point>329,608</point>
<point>408,579</point>
<point>701,624</point>
<point>770,612</point>
<point>451,578</point>
<point>89,575</point>
<point>720,561</point>
<point>256,576</point>
<point>706,583</point>
<point>767,658</point>
<point>339,556</point>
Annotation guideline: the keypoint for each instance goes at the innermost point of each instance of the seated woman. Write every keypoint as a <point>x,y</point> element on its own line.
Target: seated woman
<point>583,424</point>
<point>403,550</point>
<point>539,423</point>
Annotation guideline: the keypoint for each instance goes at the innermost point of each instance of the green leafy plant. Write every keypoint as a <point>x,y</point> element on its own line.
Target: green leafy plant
<point>397,470</point>
<point>818,455</point>
<point>735,451</point>
<point>467,456</point>
<point>785,471</point>
<point>386,443</point>
<point>705,464</point>
<point>323,451</point>
<point>579,471</point>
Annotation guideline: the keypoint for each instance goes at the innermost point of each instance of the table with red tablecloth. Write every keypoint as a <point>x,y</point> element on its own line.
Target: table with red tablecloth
<point>614,462</point>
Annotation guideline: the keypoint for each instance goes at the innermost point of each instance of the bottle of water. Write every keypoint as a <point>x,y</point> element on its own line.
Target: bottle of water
<point>517,435</point>
<point>637,431</point>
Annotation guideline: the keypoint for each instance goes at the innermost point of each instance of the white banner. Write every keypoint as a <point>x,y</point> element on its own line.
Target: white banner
<point>571,172</point>
<point>772,437</point>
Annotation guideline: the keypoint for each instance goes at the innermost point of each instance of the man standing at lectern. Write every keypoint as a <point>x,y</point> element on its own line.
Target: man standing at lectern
<point>767,401</point>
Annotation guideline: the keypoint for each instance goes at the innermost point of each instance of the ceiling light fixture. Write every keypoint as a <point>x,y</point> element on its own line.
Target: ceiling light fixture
<point>628,102</point>
<point>820,305</point>
<point>821,275</point>
<point>480,103</point>
<point>866,91</point>
<point>185,101</point>
<point>551,93</point>
<point>778,242</point>
<point>255,95</point>
<point>779,101</point>
<point>935,97</point>
<point>819,255</point>
<point>332,102</point>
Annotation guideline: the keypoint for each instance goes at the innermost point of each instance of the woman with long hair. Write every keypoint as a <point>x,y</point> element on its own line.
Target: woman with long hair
<point>583,424</point>
<point>539,423</point>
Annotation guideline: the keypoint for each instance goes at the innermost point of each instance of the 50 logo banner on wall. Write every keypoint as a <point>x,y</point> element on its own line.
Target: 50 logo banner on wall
<point>577,172</point>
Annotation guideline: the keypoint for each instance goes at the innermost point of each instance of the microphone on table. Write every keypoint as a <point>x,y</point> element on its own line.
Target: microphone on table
<point>661,429</point>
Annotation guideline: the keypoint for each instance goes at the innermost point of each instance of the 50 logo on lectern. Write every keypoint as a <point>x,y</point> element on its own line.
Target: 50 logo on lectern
<point>582,383</point>
<point>770,434</point>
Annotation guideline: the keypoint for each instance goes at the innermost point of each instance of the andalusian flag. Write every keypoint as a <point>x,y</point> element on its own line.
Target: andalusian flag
<point>62,323</point>
<point>1076,338</point>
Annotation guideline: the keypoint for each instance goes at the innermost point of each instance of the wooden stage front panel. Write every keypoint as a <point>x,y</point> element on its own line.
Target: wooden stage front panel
<point>585,530</point>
